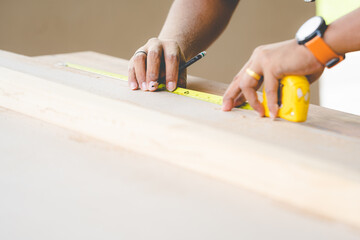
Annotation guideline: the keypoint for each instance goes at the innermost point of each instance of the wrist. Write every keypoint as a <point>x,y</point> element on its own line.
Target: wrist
<point>332,39</point>
<point>311,34</point>
<point>305,53</point>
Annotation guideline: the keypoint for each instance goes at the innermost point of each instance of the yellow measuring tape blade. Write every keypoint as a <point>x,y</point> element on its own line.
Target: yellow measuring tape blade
<point>212,98</point>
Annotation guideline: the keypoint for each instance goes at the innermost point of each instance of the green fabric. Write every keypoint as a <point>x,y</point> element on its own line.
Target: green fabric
<point>331,10</point>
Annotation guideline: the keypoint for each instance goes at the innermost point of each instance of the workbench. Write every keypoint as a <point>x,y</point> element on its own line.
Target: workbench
<point>82,156</point>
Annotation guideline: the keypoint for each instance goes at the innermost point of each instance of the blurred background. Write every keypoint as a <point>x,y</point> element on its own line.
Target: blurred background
<point>119,27</point>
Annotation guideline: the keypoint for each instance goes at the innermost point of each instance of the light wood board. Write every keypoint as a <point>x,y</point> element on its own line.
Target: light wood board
<point>312,166</point>
<point>65,185</point>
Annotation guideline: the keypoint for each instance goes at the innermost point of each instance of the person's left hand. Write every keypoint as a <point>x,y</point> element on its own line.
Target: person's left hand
<point>272,62</point>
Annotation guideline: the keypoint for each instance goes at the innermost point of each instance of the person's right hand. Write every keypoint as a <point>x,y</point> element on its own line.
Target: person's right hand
<point>155,60</point>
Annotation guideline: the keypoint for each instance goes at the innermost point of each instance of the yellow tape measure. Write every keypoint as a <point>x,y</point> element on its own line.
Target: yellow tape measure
<point>207,97</point>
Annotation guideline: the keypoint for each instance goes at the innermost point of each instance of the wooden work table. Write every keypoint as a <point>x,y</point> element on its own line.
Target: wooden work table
<point>85,157</point>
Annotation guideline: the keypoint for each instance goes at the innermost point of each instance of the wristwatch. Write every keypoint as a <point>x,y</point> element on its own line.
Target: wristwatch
<point>311,35</point>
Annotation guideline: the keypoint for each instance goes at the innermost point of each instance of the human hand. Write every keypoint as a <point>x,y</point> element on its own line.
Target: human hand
<point>157,59</point>
<point>272,62</point>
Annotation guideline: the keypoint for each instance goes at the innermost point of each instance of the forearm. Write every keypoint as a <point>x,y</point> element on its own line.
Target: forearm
<point>195,24</point>
<point>343,35</point>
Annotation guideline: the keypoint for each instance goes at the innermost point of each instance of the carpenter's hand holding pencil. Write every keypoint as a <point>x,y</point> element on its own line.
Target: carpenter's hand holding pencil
<point>155,60</point>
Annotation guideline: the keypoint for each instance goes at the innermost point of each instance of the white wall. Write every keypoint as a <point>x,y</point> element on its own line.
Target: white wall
<point>340,85</point>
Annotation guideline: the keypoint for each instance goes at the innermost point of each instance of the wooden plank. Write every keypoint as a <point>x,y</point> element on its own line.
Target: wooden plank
<point>66,184</point>
<point>312,166</point>
<point>319,117</point>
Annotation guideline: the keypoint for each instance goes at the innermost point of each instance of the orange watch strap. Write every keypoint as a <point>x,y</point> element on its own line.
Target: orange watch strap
<point>321,50</point>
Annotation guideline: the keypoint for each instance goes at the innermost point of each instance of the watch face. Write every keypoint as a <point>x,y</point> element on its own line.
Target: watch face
<point>309,28</point>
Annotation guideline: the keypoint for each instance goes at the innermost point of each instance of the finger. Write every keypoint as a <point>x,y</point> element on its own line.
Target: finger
<point>239,100</point>
<point>249,85</point>
<point>182,79</point>
<point>271,90</point>
<point>172,61</point>
<point>153,66</point>
<point>232,93</point>
<point>140,69</point>
<point>132,77</point>
<point>252,98</point>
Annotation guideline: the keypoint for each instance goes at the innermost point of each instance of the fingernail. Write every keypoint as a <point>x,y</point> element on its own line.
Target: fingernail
<point>226,106</point>
<point>224,109</point>
<point>153,85</point>
<point>143,86</point>
<point>133,85</point>
<point>272,116</point>
<point>171,86</point>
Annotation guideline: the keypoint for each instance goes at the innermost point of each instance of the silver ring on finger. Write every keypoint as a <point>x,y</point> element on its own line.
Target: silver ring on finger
<point>140,52</point>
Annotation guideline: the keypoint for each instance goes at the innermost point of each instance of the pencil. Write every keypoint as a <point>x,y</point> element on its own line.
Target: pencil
<point>187,64</point>
<point>192,61</point>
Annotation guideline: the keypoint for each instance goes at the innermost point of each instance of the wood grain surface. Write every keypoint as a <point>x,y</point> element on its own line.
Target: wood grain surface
<point>312,166</point>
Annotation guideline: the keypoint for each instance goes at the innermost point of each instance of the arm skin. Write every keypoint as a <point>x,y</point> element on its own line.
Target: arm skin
<point>195,24</point>
<point>274,61</point>
<point>191,26</point>
<point>343,35</point>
